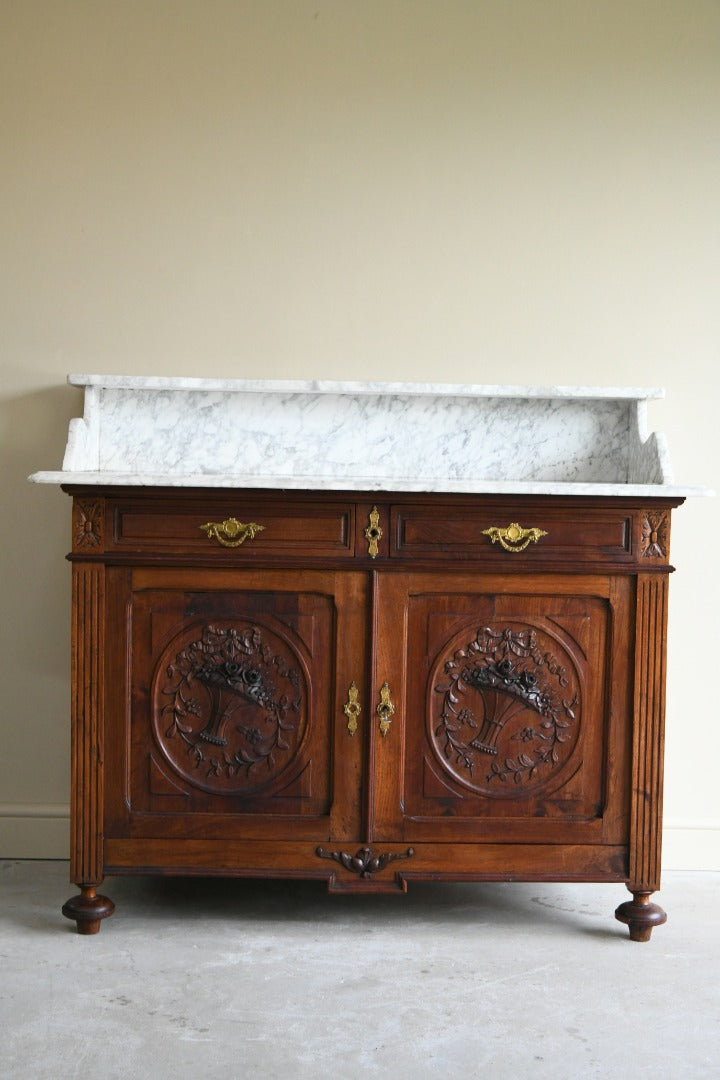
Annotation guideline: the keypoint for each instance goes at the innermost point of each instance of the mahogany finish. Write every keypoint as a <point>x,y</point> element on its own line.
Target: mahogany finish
<point>367,701</point>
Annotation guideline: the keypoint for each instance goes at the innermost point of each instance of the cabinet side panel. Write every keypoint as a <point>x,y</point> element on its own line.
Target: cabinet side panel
<point>648,732</point>
<point>87,696</point>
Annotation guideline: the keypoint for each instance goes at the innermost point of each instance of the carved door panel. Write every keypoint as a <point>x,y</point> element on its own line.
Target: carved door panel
<point>232,711</point>
<point>504,713</point>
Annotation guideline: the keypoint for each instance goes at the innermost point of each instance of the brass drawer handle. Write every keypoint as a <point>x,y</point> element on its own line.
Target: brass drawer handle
<point>385,709</point>
<point>352,708</point>
<point>513,537</point>
<point>231,532</point>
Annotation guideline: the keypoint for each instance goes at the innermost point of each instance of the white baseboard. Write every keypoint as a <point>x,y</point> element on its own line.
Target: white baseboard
<point>43,832</point>
<point>691,844</point>
<point>34,831</point>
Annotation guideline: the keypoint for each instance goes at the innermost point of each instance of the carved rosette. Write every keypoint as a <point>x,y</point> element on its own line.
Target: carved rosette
<point>229,707</point>
<point>508,713</point>
<point>654,536</point>
<point>88,525</point>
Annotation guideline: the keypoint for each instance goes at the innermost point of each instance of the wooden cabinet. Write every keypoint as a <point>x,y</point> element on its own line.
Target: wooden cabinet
<point>368,689</point>
<point>232,684</point>
<point>509,702</point>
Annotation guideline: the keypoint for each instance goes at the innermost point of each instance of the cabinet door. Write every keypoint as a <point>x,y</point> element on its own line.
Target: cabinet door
<point>512,704</point>
<point>224,716</point>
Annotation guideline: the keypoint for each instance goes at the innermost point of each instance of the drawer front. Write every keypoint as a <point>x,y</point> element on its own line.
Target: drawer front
<point>242,527</point>
<point>509,534</point>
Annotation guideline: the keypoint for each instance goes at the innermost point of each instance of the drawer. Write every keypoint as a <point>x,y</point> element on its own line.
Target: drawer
<point>242,527</point>
<point>437,531</point>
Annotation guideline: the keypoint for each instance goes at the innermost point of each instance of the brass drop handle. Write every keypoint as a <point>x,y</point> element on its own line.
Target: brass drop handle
<point>513,537</point>
<point>385,709</point>
<point>231,532</point>
<point>352,708</point>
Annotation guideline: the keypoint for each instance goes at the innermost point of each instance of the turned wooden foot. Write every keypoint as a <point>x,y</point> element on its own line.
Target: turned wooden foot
<point>88,909</point>
<point>640,915</point>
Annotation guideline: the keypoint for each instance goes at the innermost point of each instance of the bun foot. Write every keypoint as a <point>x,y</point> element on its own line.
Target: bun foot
<point>641,916</point>
<point>88,909</point>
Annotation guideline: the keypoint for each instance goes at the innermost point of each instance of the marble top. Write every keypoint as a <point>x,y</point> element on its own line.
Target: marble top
<point>368,436</point>
<point>330,386</point>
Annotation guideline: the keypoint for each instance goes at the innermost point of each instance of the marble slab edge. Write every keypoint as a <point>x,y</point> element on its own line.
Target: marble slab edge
<point>322,483</point>
<point>329,386</point>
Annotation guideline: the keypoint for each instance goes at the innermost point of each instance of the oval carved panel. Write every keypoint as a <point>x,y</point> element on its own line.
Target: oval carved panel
<point>229,706</point>
<point>506,709</point>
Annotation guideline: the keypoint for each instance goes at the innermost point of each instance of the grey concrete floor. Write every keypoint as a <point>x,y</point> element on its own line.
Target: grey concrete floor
<point>244,979</point>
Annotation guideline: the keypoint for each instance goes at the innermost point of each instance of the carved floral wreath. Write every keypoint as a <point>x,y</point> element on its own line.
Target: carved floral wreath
<point>493,665</point>
<point>234,667</point>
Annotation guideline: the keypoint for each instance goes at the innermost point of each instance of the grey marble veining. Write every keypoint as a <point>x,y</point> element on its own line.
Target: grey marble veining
<point>373,436</point>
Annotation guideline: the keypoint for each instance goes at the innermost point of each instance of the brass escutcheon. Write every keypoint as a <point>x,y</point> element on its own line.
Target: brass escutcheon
<point>352,708</point>
<point>231,532</point>
<point>373,532</point>
<point>385,709</point>
<point>513,537</point>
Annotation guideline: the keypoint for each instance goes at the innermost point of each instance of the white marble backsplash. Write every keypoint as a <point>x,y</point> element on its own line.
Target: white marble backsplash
<point>362,436</point>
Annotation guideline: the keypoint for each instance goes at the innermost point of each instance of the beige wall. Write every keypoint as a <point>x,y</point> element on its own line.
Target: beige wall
<point>517,190</point>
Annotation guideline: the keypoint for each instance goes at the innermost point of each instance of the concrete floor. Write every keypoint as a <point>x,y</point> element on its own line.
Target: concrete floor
<point>243,979</point>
